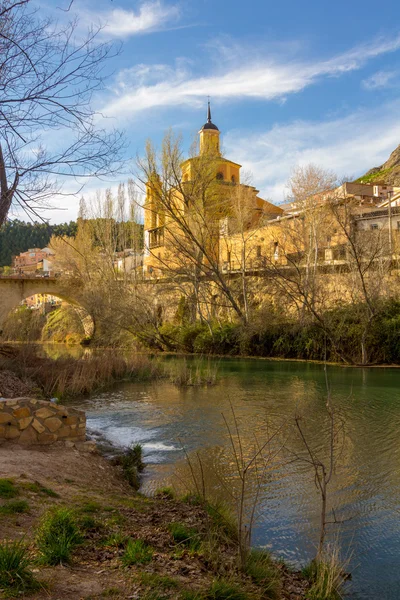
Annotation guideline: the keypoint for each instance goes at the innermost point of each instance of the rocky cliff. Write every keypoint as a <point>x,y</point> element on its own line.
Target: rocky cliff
<point>388,173</point>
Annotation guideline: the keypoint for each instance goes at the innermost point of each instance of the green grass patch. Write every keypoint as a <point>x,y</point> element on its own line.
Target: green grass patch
<point>379,176</point>
<point>166,492</point>
<point>191,595</point>
<point>14,507</point>
<point>115,540</point>
<point>16,576</point>
<point>111,593</point>
<point>57,537</point>
<point>223,519</point>
<point>89,524</point>
<point>264,573</point>
<point>137,552</point>
<point>132,465</point>
<point>90,507</point>
<point>222,589</point>
<point>185,536</point>
<point>7,489</point>
<point>158,582</point>
<point>38,488</point>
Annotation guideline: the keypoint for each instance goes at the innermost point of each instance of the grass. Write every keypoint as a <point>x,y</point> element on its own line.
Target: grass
<point>15,574</point>
<point>116,540</point>
<point>132,465</point>
<point>89,524</point>
<point>166,492</point>
<point>7,489</point>
<point>222,589</point>
<point>90,507</point>
<point>380,175</point>
<point>185,536</point>
<point>137,552</point>
<point>327,576</point>
<point>223,519</point>
<point>57,537</point>
<point>38,488</point>
<point>158,582</point>
<point>260,567</point>
<point>14,507</point>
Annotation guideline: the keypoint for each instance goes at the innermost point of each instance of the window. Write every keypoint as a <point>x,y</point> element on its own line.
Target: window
<point>258,251</point>
<point>374,226</point>
<point>220,175</point>
<point>276,250</point>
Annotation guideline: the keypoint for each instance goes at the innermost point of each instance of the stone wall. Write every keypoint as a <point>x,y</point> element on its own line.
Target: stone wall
<point>29,421</point>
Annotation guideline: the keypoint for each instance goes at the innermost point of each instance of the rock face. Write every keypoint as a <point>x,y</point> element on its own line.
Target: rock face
<point>28,421</point>
<point>388,173</point>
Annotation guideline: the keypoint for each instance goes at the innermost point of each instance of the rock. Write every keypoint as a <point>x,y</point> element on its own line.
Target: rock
<point>7,419</point>
<point>47,438</point>
<point>20,413</point>
<point>44,413</point>
<point>64,432</point>
<point>25,422</point>
<point>38,426</point>
<point>53,424</point>
<point>69,444</point>
<point>12,432</point>
<point>89,446</point>
<point>28,436</point>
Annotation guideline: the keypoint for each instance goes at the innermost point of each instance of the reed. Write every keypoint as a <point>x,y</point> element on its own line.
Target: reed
<point>67,377</point>
<point>193,373</point>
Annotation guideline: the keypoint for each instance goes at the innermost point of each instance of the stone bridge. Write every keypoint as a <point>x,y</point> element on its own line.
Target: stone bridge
<point>15,288</point>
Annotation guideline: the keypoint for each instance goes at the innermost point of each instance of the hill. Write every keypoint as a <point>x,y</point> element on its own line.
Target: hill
<point>388,173</point>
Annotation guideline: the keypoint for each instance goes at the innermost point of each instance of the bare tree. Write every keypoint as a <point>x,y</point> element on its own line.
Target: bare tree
<point>187,215</point>
<point>49,131</point>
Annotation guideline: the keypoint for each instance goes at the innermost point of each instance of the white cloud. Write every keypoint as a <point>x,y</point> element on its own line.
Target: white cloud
<point>348,146</point>
<point>150,16</point>
<point>267,79</point>
<point>380,79</point>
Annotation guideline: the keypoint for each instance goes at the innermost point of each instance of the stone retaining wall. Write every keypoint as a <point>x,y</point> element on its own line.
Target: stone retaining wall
<point>29,421</point>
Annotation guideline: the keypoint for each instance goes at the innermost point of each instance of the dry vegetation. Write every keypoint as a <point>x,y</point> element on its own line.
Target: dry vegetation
<point>64,377</point>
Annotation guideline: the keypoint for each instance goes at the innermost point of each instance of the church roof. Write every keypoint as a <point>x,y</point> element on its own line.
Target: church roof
<point>209,124</point>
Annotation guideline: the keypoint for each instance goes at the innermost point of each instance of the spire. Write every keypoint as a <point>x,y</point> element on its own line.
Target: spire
<point>209,124</point>
<point>209,111</point>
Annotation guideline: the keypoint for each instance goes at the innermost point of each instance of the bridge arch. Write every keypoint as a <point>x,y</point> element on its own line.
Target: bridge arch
<point>14,289</point>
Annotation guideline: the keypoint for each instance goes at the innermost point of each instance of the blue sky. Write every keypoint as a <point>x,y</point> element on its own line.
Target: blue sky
<point>291,82</point>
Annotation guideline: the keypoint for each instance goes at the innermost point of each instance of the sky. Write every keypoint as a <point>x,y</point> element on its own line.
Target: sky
<point>291,82</point>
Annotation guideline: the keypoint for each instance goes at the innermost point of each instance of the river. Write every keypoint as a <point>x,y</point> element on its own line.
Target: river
<point>265,395</point>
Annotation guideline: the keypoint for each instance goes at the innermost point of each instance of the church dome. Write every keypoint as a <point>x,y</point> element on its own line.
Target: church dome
<point>210,125</point>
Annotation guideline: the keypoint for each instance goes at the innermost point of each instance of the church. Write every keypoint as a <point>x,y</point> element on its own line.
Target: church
<point>206,203</point>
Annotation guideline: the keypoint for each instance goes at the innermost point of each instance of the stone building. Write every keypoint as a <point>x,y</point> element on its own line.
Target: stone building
<point>227,204</point>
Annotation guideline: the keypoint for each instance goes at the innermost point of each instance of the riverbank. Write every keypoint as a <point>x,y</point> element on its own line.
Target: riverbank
<point>109,514</point>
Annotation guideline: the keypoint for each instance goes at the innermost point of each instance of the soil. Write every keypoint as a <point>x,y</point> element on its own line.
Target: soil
<point>93,487</point>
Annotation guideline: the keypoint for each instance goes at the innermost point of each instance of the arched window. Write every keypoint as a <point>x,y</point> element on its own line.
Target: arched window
<point>233,179</point>
<point>220,175</point>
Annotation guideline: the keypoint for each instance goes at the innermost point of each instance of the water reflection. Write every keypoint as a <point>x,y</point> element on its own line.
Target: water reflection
<point>365,486</point>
